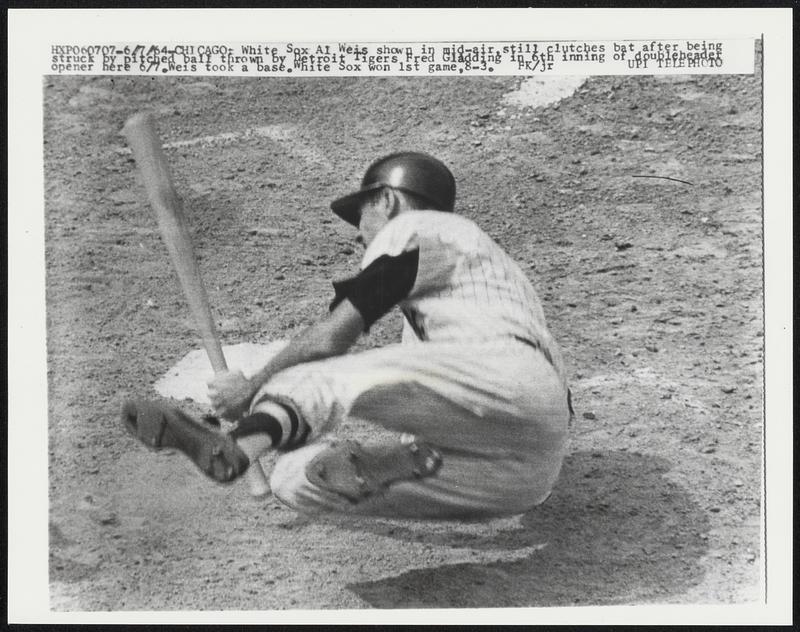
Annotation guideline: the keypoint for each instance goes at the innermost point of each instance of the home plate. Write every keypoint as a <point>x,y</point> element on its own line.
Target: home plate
<point>188,379</point>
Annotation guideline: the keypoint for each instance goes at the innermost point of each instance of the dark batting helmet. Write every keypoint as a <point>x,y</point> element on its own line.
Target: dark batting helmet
<point>410,171</point>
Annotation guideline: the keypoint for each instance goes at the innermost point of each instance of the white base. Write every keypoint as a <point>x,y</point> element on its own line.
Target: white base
<point>189,377</point>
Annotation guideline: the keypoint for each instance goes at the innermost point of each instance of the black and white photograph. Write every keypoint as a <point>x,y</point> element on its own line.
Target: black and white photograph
<point>347,343</point>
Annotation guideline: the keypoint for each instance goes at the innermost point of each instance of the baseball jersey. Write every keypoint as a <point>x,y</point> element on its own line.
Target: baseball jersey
<point>466,288</point>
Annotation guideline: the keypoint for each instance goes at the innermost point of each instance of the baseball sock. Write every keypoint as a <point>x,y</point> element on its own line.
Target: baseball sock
<point>280,423</point>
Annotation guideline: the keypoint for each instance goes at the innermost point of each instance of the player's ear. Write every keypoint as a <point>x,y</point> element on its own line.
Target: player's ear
<point>391,201</point>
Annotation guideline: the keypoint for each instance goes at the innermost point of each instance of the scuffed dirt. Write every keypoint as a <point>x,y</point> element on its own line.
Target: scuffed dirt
<point>652,286</point>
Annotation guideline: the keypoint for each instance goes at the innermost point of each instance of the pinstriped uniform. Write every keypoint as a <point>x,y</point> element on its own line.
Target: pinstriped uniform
<point>478,376</point>
<point>468,289</point>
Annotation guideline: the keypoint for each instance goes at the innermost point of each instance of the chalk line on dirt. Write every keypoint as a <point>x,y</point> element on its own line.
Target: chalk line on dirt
<point>286,136</point>
<point>533,92</point>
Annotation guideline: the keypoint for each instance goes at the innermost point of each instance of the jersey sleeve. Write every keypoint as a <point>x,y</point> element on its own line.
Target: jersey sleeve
<point>380,286</point>
<point>418,230</point>
<point>407,259</point>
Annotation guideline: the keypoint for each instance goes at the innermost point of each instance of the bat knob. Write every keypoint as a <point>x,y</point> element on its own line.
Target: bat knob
<point>257,483</point>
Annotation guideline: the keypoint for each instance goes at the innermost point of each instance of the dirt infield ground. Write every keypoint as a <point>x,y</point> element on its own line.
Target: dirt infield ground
<point>652,286</point>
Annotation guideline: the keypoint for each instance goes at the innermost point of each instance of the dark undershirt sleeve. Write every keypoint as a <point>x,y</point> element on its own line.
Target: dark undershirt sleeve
<point>380,286</point>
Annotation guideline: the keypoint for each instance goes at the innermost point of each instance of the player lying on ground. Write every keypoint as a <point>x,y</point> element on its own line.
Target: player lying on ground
<point>477,387</point>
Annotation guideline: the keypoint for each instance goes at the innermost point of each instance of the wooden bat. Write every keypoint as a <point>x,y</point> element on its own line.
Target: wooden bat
<point>140,130</point>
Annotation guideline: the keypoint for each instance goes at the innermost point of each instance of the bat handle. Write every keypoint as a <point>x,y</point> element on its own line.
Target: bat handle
<point>257,483</point>
<point>215,355</point>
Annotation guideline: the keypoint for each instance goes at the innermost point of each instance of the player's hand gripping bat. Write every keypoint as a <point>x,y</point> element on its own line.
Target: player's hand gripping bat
<point>143,139</point>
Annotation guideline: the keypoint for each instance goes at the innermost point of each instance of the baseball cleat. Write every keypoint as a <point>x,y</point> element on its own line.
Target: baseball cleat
<point>357,472</point>
<point>159,426</point>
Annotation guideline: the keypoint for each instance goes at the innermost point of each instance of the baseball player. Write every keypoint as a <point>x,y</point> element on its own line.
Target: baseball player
<point>476,392</point>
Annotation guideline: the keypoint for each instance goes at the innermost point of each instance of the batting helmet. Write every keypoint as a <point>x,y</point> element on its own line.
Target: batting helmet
<point>410,171</point>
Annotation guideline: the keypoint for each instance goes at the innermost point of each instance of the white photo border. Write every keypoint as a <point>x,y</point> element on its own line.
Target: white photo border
<point>30,32</point>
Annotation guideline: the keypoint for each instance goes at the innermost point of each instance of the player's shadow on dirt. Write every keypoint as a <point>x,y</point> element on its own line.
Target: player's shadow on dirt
<point>617,531</point>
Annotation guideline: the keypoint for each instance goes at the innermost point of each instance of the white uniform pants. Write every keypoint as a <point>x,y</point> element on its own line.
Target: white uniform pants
<point>496,411</point>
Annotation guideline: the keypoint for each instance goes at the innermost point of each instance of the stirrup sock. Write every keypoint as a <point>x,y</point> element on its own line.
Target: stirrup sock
<point>281,423</point>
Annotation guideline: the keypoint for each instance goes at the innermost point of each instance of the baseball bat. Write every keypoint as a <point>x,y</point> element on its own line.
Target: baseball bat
<point>140,131</point>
